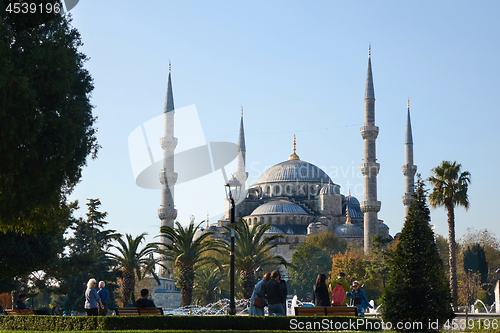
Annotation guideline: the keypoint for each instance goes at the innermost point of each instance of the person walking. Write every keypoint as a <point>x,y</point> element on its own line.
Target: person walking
<point>358,299</point>
<point>92,299</point>
<point>259,294</point>
<point>275,295</point>
<point>284,291</point>
<point>321,296</point>
<point>104,295</point>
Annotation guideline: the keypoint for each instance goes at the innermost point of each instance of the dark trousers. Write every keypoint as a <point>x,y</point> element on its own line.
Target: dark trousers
<point>92,312</point>
<point>103,312</point>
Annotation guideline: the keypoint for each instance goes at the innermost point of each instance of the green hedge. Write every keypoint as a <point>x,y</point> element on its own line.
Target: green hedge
<point>54,323</point>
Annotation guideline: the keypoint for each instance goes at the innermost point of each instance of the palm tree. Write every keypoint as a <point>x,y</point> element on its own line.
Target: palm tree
<point>207,284</point>
<point>253,249</point>
<point>450,190</point>
<point>133,262</point>
<point>187,254</point>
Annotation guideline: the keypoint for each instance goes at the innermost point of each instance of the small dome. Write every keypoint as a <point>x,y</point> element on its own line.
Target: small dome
<point>354,207</point>
<point>212,228</point>
<point>330,189</point>
<point>279,207</point>
<point>349,230</point>
<point>383,226</point>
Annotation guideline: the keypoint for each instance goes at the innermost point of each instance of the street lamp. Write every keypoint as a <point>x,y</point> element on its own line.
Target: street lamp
<point>233,189</point>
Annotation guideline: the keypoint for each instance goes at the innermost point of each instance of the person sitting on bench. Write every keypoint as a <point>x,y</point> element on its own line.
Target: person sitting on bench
<point>19,305</point>
<point>144,301</point>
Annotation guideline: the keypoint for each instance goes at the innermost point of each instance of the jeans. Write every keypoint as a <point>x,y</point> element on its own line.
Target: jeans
<point>276,309</point>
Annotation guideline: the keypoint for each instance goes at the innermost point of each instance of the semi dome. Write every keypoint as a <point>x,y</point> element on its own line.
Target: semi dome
<point>274,230</point>
<point>279,207</point>
<point>349,230</point>
<point>330,189</point>
<point>294,171</point>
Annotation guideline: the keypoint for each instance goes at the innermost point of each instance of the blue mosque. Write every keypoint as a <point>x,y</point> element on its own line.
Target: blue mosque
<point>297,198</point>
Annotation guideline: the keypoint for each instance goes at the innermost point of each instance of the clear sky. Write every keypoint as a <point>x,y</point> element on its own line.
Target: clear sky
<point>296,67</point>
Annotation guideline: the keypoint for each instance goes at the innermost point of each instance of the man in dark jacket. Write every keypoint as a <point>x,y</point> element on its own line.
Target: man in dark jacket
<point>275,295</point>
<point>144,301</point>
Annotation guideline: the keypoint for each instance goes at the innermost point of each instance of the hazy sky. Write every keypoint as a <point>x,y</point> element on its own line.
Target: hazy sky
<point>296,67</point>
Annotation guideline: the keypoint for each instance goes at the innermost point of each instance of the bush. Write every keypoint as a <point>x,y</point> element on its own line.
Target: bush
<point>55,323</point>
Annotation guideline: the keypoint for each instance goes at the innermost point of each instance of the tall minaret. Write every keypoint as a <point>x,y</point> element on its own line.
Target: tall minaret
<point>409,169</point>
<point>167,212</point>
<point>241,174</point>
<point>369,168</point>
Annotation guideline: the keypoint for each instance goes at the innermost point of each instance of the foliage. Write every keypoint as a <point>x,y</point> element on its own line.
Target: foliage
<point>133,262</point>
<point>86,259</point>
<point>475,262</point>
<point>469,287</point>
<point>183,323</point>
<point>489,243</point>
<point>444,253</point>
<point>450,190</point>
<point>186,254</point>
<point>207,285</point>
<point>352,263</point>
<point>46,122</point>
<point>253,249</point>
<point>312,257</point>
<point>416,290</point>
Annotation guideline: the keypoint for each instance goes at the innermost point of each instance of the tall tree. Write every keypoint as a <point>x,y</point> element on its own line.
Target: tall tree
<point>133,262</point>
<point>46,122</point>
<point>312,257</point>
<point>417,291</point>
<point>187,254</point>
<point>86,259</point>
<point>450,190</point>
<point>253,249</point>
<point>475,262</point>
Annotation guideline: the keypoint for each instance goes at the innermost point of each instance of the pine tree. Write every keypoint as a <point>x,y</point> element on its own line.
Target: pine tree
<point>417,290</point>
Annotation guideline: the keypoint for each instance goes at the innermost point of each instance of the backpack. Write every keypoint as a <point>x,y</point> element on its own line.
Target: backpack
<point>338,295</point>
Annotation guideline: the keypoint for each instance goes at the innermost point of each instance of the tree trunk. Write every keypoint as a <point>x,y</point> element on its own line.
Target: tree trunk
<point>128,285</point>
<point>248,283</point>
<point>452,257</point>
<point>186,280</point>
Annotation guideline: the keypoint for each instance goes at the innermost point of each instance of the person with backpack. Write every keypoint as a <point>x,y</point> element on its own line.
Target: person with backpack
<point>320,291</point>
<point>339,289</point>
<point>358,299</point>
<point>258,299</point>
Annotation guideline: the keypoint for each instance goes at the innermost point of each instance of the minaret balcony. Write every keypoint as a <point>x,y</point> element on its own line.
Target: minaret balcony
<point>369,132</point>
<point>168,178</point>
<point>167,214</point>
<point>370,168</point>
<point>370,206</point>
<point>409,170</point>
<point>168,143</point>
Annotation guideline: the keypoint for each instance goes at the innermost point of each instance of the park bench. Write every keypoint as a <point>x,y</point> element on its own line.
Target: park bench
<point>326,311</point>
<point>27,312</point>
<point>139,311</point>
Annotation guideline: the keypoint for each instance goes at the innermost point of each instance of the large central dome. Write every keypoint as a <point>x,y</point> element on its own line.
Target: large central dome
<point>294,171</point>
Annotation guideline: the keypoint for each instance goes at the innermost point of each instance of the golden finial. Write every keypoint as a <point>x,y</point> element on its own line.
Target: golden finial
<point>330,181</point>
<point>294,156</point>
<point>408,104</point>
<point>369,50</point>
<point>348,217</point>
<point>349,193</point>
<point>242,110</point>
<point>207,219</point>
<point>169,66</point>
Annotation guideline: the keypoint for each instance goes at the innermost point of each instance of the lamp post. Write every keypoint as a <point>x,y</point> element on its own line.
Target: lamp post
<point>233,188</point>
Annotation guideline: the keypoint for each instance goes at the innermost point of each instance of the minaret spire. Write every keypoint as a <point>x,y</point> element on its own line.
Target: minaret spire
<point>294,156</point>
<point>409,169</point>
<point>241,173</point>
<point>167,212</point>
<point>370,168</point>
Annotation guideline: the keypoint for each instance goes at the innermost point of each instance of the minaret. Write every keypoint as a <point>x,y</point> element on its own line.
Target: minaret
<point>409,169</point>
<point>241,174</point>
<point>167,212</point>
<point>369,168</point>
